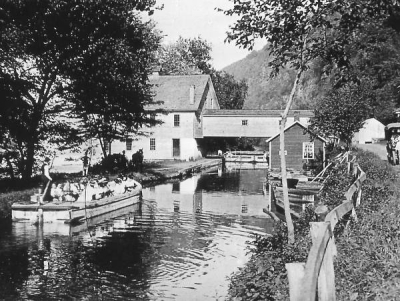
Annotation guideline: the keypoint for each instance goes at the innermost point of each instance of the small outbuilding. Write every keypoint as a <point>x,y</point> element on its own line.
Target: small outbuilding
<point>300,150</point>
<point>372,131</point>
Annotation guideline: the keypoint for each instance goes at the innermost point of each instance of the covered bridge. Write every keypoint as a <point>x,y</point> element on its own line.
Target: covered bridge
<point>248,123</point>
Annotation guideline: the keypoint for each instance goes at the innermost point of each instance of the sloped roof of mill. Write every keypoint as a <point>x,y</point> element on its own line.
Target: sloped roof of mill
<point>174,91</point>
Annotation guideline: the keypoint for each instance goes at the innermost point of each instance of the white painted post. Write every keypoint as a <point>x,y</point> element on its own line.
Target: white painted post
<point>295,275</point>
<point>269,205</point>
<point>358,201</point>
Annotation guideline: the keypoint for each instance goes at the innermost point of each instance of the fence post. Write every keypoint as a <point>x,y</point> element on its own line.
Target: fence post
<point>326,277</point>
<point>270,192</point>
<point>358,201</point>
<point>295,275</point>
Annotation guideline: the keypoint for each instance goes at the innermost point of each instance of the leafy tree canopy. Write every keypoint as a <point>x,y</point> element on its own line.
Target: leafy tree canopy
<point>230,92</point>
<point>67,63</point>
<point>342,112</point>
<point>192,56</point>
<point>185,57</point>
<point>298,33</point>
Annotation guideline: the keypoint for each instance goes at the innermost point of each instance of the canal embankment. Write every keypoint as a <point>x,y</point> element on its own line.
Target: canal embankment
<point>366,265</point>
<point>159,171</point>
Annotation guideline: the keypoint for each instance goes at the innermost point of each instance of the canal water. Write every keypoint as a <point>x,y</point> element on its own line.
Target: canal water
<point>181,243</point>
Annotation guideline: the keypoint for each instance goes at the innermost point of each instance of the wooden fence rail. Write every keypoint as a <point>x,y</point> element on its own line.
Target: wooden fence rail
<point>315,279</point>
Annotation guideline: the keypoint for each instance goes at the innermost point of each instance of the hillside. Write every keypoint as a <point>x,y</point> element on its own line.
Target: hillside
<point>267,93</point>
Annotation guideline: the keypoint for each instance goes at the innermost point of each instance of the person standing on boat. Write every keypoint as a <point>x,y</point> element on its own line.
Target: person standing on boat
<point>85,160</point>
<point>46,179</point>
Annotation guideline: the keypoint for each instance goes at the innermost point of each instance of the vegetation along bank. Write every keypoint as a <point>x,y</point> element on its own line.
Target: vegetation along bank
<point>366,267</point>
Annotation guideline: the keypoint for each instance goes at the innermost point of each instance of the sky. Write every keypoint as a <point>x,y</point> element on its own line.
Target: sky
<point>198,18</point>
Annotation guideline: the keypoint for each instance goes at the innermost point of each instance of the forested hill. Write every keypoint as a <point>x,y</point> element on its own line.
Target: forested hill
<point>267,93</point>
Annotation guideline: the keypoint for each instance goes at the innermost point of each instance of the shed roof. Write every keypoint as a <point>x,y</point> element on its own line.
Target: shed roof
<point>174,91</point>
<point>267,113</point>
<point>292,125</point>
<point>393,125</point>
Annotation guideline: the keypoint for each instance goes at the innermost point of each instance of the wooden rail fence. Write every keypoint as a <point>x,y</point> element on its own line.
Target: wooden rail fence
<point>315,279</point>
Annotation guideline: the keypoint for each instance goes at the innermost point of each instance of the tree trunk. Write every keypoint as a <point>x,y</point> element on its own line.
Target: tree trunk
<point>286,203</point>
<point>30,159</point>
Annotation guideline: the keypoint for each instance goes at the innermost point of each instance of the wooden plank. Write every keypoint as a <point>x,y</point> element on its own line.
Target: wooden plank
<point>292,212</point>
<point>271,214</point>
<point>314,262</point>
<point>295,275</point>
<point>326,278</point>
<point>298,191</point>
<point>355,186</point>
<point>337,213</point>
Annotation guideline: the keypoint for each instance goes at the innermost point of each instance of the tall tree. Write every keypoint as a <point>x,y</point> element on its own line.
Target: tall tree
<point>376,60</point>
<point>192,56</point>
<point>297,33</point>
<point>231,93</point>
<point>185,57</point>
<point>63,62</point>
<point>342,112</point>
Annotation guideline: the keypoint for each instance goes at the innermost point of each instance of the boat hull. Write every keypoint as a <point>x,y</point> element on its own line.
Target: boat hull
<point>73,211</point>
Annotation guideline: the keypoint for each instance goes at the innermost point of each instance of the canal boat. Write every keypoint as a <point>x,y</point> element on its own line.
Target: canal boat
<point>245,157</point>
<point>74,211</point>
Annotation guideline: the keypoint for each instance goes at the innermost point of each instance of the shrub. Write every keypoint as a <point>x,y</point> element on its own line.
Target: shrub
<point>265,276</point>
<point>367,264</point>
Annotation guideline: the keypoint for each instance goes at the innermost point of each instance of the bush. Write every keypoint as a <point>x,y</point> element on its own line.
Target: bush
<point>265,277</point>
<point>367,264</point>
<point>112,163</point>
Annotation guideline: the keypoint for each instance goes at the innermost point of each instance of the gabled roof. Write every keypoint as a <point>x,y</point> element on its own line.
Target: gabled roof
<point>292,125</point>
<point>267,113</point>
<point>174,91</point>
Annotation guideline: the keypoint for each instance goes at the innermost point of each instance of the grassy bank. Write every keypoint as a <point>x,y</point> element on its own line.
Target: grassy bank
<point>366,266</point>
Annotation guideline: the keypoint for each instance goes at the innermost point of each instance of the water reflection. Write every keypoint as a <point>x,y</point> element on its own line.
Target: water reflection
<point>180,244</point>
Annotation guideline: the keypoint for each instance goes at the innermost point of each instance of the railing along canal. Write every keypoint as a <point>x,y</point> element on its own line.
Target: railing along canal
<point>316,278</point>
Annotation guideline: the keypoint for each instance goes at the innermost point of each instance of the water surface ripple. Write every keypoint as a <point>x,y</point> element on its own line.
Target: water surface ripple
<point>181,243</point>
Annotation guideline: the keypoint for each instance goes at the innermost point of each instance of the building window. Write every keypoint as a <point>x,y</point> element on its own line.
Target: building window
<point>176,120</point>
<point>128,144</point>
<point>152,143</point>
<point>308,150</point>
<point>176,187</point>
<point>244,122</point>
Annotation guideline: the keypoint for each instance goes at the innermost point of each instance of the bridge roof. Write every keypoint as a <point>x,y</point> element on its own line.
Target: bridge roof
<point>174,91</point>
<point>267,113</point>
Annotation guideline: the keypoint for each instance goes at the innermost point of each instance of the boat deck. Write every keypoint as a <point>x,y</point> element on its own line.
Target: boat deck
<point>68,211</point>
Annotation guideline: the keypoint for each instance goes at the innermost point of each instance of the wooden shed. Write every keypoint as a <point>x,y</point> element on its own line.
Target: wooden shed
<point>300,150</point>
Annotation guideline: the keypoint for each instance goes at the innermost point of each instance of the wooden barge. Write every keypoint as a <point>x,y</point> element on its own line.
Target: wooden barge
<point>69,212</point>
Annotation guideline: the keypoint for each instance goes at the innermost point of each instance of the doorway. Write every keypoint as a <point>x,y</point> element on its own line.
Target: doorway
<point>176,148</point>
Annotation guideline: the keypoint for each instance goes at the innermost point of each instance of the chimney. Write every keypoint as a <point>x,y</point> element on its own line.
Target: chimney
<point>296,116</point>
<point>191,94</point>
